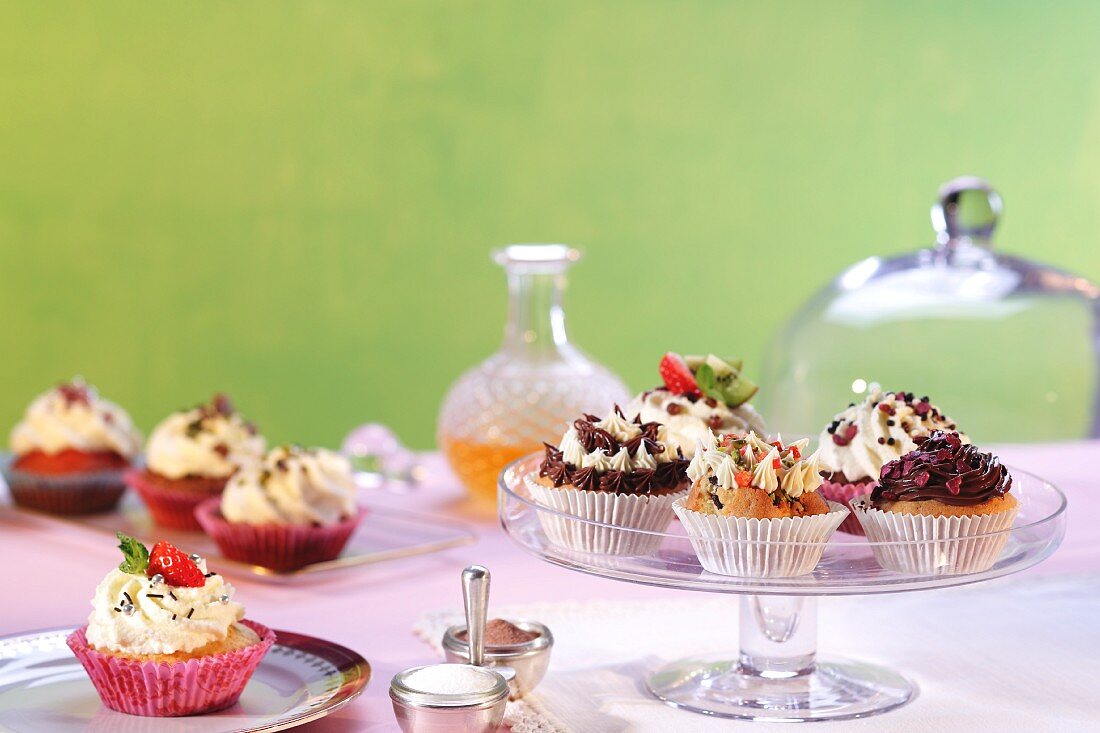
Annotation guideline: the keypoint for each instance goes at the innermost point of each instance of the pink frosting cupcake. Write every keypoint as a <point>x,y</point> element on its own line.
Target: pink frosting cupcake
<point>165,637</point>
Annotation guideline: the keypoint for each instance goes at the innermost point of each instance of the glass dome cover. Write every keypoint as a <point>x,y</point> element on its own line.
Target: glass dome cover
<point>1007,346</point>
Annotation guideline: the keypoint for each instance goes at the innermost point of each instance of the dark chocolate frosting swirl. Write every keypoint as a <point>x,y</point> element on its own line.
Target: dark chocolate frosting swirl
<point>943,469</point>
<point>667,476</point>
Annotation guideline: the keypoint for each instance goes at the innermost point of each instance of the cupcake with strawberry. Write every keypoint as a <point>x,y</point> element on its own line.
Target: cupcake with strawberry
<point>867,435</point>
<point>294,508</point>
<point>70,451</point>
<point>614,471</point>
<point>753,510</point>
<point>190,457</point>
<point>700,396</point>
<point>165,637</point>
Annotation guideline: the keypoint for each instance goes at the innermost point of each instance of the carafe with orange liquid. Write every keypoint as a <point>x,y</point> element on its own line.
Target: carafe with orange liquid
<point>537,382</point>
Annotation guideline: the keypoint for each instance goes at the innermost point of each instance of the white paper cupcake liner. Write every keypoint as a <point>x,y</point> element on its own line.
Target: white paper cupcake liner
<point>759,548</point>
<point>650,513</point>
<point>934,545</point>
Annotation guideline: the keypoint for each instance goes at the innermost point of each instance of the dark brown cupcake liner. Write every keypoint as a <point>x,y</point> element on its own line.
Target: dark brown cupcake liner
<point>79,493</point>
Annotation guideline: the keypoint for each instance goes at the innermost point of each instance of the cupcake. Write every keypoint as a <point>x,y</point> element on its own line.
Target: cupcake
<point>946,504</point>
<point>860,440</point>
<point>613,471</point>
<point>294,508</point>
<point>70,451</point>
<point>190,457</point>
<point>747,496</point>
<point>165,637</point>
<point>700,396</point>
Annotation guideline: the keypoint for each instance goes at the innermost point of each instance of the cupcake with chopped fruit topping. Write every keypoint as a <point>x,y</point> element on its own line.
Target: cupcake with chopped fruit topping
<point>165,637</point>
<point>71,449</point>
<point>945,505</point>
<point>700,396</point>
<point>613,471</point>
<point>295,508</point>
<point>190,457</point>
<point>859,441</point>
<point>753,510</point>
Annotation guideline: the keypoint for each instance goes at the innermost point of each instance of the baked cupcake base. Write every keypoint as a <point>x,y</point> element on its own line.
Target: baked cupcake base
<point>280,547</point>
<point>759,548</point>
<point>648,513</point>
<point>934,545</point>
<point>843,492</point>
<point>172,502</point>
<point>77,493</point>
<point>192,686</point>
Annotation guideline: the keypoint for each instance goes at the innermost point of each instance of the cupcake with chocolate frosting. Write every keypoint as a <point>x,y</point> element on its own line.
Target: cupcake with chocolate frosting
<point>753,509</point>
<point>861,439</point>
<point>947,500</point>
<point>614,471</point>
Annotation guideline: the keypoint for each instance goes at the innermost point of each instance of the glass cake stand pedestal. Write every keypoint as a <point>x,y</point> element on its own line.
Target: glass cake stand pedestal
<point>777,674</point>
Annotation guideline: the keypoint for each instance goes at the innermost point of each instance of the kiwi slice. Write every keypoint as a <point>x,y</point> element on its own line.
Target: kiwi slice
<point>722,380</point>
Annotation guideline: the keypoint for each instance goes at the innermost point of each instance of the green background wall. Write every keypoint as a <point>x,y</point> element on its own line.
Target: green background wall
<point>294,201</point>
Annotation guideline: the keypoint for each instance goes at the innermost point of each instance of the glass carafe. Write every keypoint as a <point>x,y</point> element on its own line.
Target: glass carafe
<point>537,382</point>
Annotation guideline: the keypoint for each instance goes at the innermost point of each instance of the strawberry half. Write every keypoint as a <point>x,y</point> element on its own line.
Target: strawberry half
<point>676,375</point>
<point>177,568</point>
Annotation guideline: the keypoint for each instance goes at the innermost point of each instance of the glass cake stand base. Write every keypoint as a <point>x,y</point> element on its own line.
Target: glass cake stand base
<point>777,676</point>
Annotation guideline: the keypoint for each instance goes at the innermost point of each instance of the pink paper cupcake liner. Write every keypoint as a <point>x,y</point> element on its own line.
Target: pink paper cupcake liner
<point>78,493</point>
<point>280,547</point>
<point>168,689</point>
<point>843,493</point>
<point>174,509</point>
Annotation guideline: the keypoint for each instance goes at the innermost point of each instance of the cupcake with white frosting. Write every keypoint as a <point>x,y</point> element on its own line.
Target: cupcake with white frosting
<point>861,439</point>
<point>189,458</point>
<point>614,471</point>
<point>754,511</point>
<point>294,508</point>
<point>165,637</point>
<point>70,451</point>
<point>700,397</point>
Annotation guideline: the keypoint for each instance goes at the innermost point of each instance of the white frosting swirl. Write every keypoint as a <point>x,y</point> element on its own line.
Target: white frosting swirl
<point>750,453</point>
<point>292,485</point>
<point>74,416</point>
<point>202,442</point>
<point>621,429</point>
<point>165,619</point>
<point>882,434</point>
<point>692,420</point>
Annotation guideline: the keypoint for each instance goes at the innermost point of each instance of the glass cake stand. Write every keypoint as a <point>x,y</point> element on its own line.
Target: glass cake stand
<point>777,675</point>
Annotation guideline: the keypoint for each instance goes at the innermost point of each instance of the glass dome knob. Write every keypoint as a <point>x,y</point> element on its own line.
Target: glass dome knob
<point>967,210</point>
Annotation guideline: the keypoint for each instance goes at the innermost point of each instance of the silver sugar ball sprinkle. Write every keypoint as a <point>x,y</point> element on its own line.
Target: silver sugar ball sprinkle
<point>224,598</point>
<point>128,609</point>
<point>195,557</point>
<point>157,579</point>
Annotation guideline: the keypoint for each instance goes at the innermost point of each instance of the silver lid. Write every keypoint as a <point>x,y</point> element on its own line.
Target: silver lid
<point>402,692</point>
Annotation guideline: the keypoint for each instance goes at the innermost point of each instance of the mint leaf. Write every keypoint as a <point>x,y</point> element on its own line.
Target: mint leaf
<point>136,556</point>
<point>708,382</point>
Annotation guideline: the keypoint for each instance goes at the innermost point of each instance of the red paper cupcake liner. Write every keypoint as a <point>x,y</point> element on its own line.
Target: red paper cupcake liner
<point>168,689</point>
<point>843,493</point>
<point>170,508</point>
<point>280,547</point>
<point>78,493</point>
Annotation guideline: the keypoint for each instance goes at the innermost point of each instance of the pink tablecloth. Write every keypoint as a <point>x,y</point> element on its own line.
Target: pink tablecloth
<point>48,576</point>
